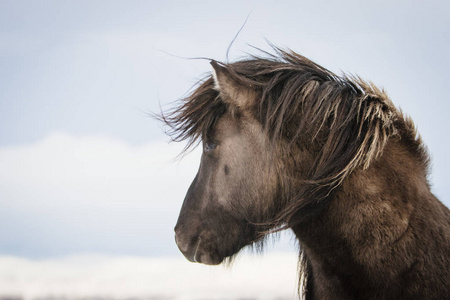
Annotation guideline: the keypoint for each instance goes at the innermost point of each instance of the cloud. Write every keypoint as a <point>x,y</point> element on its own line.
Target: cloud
<point>69,193</point>
<point>98,164</point>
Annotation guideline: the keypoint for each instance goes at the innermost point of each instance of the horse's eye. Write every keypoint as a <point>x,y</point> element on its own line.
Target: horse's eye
<point>209,146</point>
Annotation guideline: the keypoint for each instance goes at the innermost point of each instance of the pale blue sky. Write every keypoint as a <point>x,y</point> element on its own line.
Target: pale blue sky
<point>77,78</point>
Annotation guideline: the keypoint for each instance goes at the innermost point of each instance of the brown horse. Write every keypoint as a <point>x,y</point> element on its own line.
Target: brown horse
<point>288,144</point>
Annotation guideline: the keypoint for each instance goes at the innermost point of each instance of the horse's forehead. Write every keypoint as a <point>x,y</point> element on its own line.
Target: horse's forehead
<point>229,125</point>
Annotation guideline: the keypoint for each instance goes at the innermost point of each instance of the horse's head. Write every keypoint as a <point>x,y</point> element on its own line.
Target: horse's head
<point>279,136</point>
<point>235,185</point>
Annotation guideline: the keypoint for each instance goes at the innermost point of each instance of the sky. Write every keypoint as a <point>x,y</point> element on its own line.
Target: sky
<point>84,169</point>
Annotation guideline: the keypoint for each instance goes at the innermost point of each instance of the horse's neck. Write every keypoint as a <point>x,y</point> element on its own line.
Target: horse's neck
<point>370,229</point>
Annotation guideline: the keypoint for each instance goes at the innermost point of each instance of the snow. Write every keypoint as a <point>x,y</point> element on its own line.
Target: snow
<point>270,276</point>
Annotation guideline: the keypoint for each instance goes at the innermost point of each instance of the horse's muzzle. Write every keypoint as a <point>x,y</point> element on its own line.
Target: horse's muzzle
<point>192,249</point>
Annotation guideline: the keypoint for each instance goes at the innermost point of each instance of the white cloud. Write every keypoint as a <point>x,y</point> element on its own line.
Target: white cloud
<point>91,194</point>
<point>98,165</point>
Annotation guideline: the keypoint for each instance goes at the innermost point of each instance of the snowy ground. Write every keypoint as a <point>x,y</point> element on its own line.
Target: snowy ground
<point>269,276</point>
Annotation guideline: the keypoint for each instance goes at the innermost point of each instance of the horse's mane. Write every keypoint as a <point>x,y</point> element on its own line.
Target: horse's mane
<point>196,114</point>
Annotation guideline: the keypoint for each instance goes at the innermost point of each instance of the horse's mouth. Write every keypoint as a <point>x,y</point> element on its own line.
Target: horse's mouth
<point>195,252</point>
<point>196,249</point>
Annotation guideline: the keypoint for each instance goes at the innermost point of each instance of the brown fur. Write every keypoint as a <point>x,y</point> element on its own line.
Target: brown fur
<point>346,171</point>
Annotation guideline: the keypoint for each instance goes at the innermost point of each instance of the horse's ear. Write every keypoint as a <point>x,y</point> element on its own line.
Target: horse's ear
<point>231,91</point>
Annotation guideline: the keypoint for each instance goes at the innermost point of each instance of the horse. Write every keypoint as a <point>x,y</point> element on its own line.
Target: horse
<point>289,144</point>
